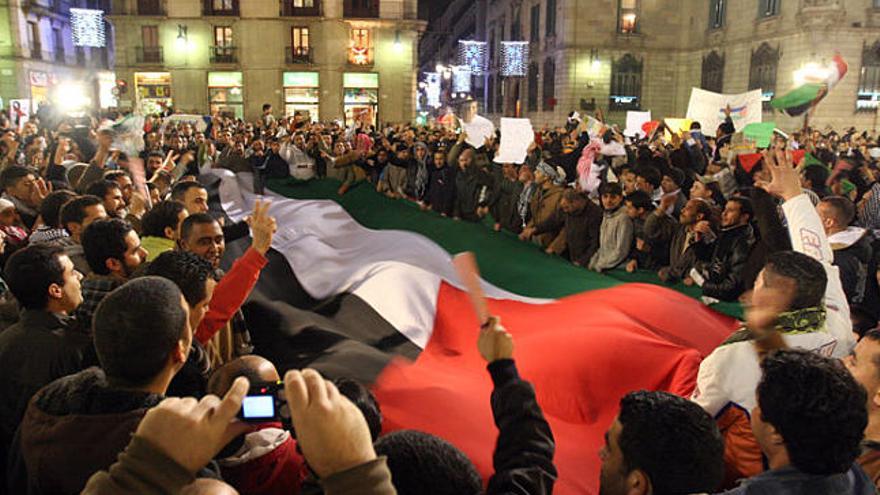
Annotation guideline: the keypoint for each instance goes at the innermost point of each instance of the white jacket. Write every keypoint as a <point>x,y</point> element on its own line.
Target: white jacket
<point>730,375</point>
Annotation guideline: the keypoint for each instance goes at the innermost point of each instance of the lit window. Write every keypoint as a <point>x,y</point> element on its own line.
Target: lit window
<point>628,16</point>
<point>626,84</point>
<point>359,52</point>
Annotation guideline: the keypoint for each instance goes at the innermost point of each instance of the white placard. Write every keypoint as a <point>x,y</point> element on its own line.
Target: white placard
<point>707,108</point>
<point>516,137</point>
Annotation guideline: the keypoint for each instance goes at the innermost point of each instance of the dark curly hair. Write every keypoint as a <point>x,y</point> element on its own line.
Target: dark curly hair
<point>424,464</point>
<point>673,440</point>
<point>187,270</point>
<point>817,407</point>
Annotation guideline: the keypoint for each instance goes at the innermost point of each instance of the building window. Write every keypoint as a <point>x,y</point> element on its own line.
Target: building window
<point>221,7</point>
<point>532,104</point>
<point>33,34</point>
<point>223,51</point>
<point>516,25</point>
<point>626,84</point>
<point>713,72</point>
<point>149,7</point>
<point>300,51</point>
<point>768,8</point>
<point>550,22</point>
<point>762,72</point>
<point>535,24</point>
<point>225,94</point>
<point>300,8</point>
<point>361,8</point>
<point>869,78</point>
<point>301,95</point>
<point>58,43</point>
<point>359,52</point>
<point>717,11</point>
<point>221,4</point>
<point>150,52</point>
<point>628,16</point>
<point>549,89</point>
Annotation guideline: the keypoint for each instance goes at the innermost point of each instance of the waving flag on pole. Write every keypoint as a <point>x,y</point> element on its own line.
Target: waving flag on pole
<point>817,83</point>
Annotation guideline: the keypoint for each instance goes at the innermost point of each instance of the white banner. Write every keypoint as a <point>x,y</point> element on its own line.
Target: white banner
<point>707,108</point>
<point>516,137</point>
<point>634,122</point>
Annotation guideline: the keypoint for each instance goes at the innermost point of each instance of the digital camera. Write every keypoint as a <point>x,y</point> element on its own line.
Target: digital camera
<point>265,403</point>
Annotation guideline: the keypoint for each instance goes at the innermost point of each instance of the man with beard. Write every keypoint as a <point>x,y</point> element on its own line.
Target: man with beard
<point>505,198</point>
<point>577,223</point>
<point>546,198</point>
<point>724,260</point>
<point>223,331</point>
<point>113,251</point>
<point>681,251</point>
<point>111,194</point>
<point>660,443</point>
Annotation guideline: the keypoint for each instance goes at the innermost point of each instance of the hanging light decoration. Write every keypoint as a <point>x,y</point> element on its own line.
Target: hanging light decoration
<point>432,89</point>
<point>88,27</point>
<point>514,58</point>
<point>474,55</point>
<point>461,79</point>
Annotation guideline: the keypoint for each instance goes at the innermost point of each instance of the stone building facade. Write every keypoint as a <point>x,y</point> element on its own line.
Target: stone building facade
<point>648,54</point>
<point>328,59</point>
<point>38,57</point>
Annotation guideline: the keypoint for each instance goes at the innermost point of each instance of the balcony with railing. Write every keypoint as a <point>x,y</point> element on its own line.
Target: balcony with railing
<point>221,8</point>
<point>149,55</point>
<point>364,9</point>
<point>298,55</point>
<point>300,8</point>
<point>151,7</point>
<point>224,55</point>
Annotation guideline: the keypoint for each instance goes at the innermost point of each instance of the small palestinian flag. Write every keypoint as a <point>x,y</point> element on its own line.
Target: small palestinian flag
<point>799,100</point>
<point>353,290</point>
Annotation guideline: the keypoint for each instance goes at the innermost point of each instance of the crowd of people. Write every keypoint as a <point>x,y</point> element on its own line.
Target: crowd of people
<point>120,333</point>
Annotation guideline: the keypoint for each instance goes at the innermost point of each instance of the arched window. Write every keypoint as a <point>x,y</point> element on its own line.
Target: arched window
<point>762,72</point>
<point>626,83</point>
<point>549,89</point>
<point>532,104</point>
<point>869,78</point>
<point>713,72</point>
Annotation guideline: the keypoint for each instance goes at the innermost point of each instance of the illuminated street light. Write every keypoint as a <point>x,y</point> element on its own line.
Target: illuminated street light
<point>398,45</point>
<point>182,36</point>
<point>72,97</point>
<point>811,73</point>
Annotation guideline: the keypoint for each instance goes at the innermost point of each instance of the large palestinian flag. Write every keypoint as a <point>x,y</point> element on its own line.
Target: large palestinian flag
<point>353,290</point>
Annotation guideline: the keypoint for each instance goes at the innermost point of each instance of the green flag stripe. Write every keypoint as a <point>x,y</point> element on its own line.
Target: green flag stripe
<point>800,96</point>
<point>504,260</point>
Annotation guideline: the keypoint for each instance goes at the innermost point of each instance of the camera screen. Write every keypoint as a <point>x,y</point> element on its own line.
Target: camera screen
<point>258,406</point>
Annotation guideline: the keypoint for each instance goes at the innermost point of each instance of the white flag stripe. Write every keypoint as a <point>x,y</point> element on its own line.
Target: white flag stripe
<point>397,272</point>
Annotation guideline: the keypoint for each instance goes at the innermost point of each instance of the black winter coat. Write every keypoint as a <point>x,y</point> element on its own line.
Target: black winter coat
<point>723,262</point>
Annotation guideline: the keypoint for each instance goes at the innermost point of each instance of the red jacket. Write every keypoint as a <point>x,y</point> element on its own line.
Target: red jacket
<point>230,293</point>
<point>279,471</point>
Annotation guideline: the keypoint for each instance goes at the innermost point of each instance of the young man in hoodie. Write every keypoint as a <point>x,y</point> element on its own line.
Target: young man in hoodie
<point>851,246</point>
<point>616,233</point>
<point>143,337</point>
